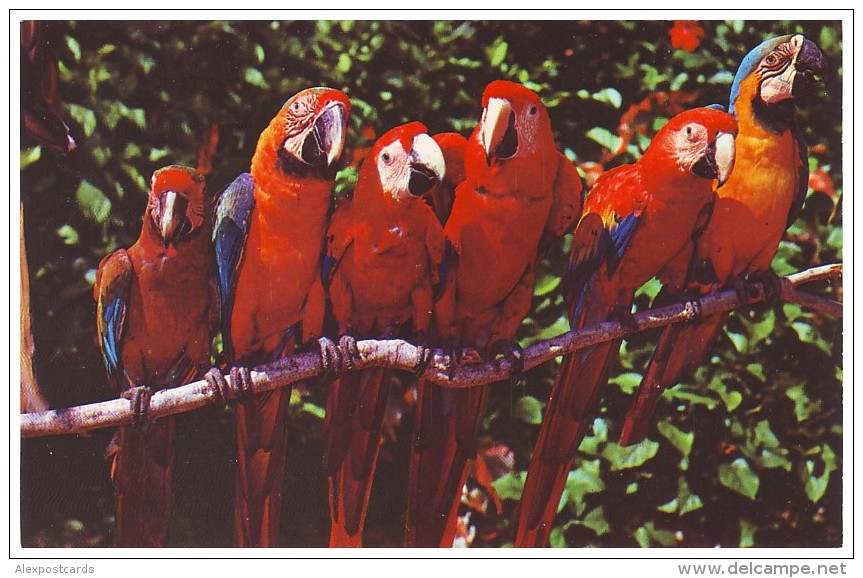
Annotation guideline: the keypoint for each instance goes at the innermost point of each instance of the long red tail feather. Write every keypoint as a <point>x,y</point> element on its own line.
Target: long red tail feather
<point>445,434</point>
<point>143,470</point>
<point>355,412</point>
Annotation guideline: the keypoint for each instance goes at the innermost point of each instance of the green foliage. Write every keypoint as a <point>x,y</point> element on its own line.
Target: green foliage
<point>746,452</point>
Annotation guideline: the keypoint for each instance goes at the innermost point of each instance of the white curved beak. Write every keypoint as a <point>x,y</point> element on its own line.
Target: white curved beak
<point>495,120</point>
<point>725,150</point>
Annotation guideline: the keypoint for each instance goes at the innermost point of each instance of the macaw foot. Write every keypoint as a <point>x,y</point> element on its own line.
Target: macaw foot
<point>139,398</point>
<point>240,386</point>
<point>331,357</point>
<point>623,315</point>
<point>350,353</point>
<point>424,352</point>
<point>514,354</point>
<point>456,356</point>
<point>772,284</point>
<point>745,289</point>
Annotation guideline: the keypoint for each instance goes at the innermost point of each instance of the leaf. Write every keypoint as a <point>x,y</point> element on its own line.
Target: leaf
<point>627,382</point>
<point>685,501</point>
<point>556,539</point>
<point>595,520</point>
<point>255,77</point>
<point>622,458</point>
<point>528,409</point>
<point>83,116</point>
<point>68,234</point>
<point>731,398</point>
<point>546,284</point>
<point>648,534</point>
<point>30,156</point>
<point>314,410</point>
<point>74,48</point>
<point>770,459</point>
<point>757,370</point>
<point>679,439</point>
<point>344,63</point>
<point>610,96</point>
<point>584,480</point>
<point>605,137</point>
<point>509,486</point>
<point>762,329</point>
<point>816,486</point>
<point>738,340</point>
<point>559,327</point>
<point>498,52</point>
<point>747,533</point>
<point>739,477</point>
<point>590,444</point>
<point>804,407</point>
<point>157,154</point>
<point>692,397</point>
<point>93,202</point>
<point>764,435</point>
<point>651,289</point>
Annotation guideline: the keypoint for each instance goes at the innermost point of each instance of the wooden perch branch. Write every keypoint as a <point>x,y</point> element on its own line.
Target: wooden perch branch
<point>399,354</point>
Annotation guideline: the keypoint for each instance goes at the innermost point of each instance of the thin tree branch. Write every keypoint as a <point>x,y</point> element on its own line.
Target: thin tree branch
<point>399,354</point>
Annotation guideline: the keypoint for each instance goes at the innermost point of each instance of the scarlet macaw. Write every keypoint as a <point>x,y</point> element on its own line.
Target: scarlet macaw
<point>269,238</point>
<point>384,248</point>
<point>514,175</point>
<point>638,222</point>
<point>753,209</point>
<point>156,316</point>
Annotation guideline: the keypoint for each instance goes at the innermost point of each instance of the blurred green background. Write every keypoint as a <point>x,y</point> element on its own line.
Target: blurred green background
<point>748,452</point>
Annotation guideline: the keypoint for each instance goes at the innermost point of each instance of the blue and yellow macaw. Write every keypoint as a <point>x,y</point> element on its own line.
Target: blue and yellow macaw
<point>752,210</point>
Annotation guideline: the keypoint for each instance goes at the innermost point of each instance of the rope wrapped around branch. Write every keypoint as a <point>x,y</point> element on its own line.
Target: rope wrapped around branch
<point>399,354</point>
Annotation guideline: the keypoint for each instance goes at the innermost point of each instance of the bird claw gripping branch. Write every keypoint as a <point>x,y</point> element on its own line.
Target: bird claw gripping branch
<point>240,386</point>
<point>139,399</point>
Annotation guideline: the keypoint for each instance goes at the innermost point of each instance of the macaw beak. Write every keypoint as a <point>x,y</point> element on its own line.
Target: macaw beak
<point>171,219</point>
<point>427,165</point>
<point>810,65</point>
<point>324,143</point>
<point>499,137</point>
<point>724,156</point>
<point>718,162</point>
<point>798,76</point>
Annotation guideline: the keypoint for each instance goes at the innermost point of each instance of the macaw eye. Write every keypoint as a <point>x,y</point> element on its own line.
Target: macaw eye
<point>532,110</point>
<point>689,132</point>
<point>771,59</point>
<point>386,157</point>
<point>295,107</point>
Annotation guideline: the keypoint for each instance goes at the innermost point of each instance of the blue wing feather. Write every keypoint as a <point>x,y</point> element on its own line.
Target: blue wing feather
<point>620,237</point>
<point>113,285</point>
<point>112,317</point>
<point>233,214</point>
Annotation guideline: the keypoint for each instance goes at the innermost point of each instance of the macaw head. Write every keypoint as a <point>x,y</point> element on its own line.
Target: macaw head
<point>309,131</point>
<point>176,203</point>
<point>776,72</point>
<point>514,121</point>
<point>405,162</point>
<point>698,141</point>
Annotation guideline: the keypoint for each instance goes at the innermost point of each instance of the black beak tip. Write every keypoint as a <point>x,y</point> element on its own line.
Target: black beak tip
<point>313,152</point>
<point>706,167</point>
<point>421,181</point>
<point>811,59</point>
